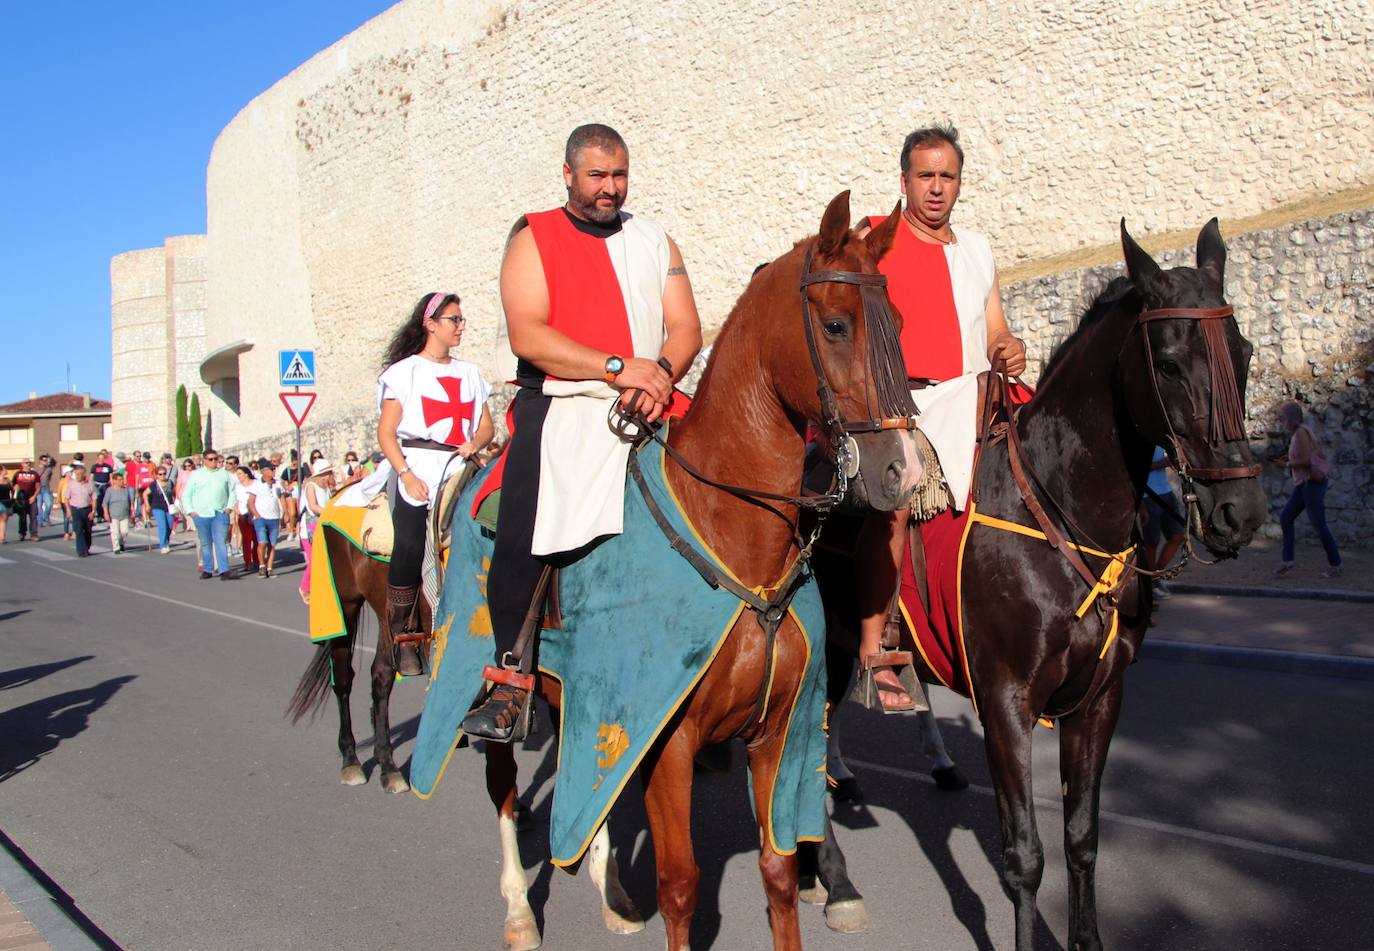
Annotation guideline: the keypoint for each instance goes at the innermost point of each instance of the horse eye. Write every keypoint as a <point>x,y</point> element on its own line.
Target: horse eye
<point>1170,369</point>
<point>835,327</point>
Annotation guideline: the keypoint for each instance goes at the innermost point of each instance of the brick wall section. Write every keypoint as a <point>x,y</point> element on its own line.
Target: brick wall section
<point>1302,295</point>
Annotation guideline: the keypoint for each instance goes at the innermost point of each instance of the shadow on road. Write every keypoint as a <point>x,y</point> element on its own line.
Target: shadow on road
<point>35,729</point>
<point>20,676</point>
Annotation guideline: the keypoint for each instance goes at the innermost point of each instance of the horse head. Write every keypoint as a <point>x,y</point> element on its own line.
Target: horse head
<point>1185,387</point>
<point>845,373</point>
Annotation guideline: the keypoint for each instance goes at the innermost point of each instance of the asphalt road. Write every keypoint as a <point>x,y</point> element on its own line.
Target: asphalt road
<point>145,765</point>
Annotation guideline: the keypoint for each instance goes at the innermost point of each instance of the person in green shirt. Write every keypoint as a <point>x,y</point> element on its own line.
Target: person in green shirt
<point>208,499</point>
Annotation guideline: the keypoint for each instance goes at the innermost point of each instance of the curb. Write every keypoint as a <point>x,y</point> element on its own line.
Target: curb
<point>1303,594</point>
<point>1255,658</point>
<point>50,910</point>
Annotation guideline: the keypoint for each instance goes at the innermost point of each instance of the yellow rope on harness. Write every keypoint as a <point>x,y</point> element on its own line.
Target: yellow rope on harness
<point>1116,564</point>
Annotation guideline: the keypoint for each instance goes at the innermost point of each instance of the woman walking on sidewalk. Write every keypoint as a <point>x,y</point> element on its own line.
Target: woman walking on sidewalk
<point>1310,476</point>
<point>157,499</point>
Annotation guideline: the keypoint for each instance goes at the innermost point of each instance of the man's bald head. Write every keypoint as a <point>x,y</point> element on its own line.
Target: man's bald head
<point>592,135</point>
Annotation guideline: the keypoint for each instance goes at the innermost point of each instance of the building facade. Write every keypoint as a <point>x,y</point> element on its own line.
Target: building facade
<point>60,424</point>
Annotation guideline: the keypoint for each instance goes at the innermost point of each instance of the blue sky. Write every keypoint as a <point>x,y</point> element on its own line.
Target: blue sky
<point>111,109</point>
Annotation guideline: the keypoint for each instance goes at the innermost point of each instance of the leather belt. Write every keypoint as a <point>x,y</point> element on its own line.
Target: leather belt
<point>427,444</point>
<point>921,382</point>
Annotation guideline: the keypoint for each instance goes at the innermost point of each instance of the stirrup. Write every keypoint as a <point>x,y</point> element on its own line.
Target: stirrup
<point>407,647</point>
<point>901,662</point>
<point>509,688</point>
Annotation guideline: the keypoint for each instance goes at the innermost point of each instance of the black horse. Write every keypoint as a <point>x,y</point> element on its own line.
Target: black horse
<point>1156,360</point>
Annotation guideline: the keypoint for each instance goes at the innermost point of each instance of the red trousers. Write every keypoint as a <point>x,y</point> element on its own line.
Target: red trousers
<point>249,539</point>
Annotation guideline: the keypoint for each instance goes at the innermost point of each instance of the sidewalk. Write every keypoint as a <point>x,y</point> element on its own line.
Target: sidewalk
<point>1253,573</point>
<point>16,933</point>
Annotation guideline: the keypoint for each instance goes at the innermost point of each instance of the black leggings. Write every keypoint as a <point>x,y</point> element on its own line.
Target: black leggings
<point>515,569</point>
<point>408,523</point>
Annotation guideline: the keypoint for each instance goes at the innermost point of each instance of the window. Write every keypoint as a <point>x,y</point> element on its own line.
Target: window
<point>105,432</point>
<point>68,433</point>
<point>14,435</point>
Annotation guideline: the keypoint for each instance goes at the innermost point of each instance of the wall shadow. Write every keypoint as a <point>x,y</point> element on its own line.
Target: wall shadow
<point>35,729</point>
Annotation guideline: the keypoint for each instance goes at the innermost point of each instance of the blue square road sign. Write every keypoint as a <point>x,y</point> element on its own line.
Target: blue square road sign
<point>297,367</point>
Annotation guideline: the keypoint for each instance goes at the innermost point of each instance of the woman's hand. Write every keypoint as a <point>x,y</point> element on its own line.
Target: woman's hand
<point>415,488</point>
<point>467,450</point>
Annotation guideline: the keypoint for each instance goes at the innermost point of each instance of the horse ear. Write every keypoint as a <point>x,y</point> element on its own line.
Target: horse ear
<point>879,240</point>
<point>1211,252</point>
<point>1140,267</point>
<point>834,225</point>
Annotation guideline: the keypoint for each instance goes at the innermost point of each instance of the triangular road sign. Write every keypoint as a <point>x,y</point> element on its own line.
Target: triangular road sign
<point>298,405</point>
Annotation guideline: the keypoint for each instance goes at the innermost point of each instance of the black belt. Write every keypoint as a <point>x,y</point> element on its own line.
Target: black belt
<point>921,382</point>
<point>427,444</point>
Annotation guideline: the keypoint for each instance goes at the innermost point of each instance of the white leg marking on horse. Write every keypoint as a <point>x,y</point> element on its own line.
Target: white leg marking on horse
<point>521,932</point>
<point>932,743</point>
<point>617,910</point>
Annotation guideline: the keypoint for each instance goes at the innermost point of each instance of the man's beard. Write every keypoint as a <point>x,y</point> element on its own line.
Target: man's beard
<point>591,211</point>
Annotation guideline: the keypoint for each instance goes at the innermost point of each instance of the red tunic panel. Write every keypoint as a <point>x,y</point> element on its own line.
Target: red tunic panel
<point>919,285</point>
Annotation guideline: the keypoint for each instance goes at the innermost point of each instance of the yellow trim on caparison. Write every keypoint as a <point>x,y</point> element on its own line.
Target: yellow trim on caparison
<point>959,593</point>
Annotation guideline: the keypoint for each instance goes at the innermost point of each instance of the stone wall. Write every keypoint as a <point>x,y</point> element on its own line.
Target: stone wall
<point>1303,296</point>
<point>393,162</point>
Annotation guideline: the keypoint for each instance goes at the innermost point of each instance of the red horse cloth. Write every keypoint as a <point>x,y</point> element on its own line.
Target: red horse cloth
<point>937,633</point>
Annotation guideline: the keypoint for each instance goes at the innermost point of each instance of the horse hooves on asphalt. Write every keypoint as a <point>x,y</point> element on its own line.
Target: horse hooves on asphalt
<point>811,892</point>
<point>522,934</point>
<point>625,921</point>
<point>353,776</point>
<point>394,783</point>
<point>949,778</point>
<point>849,790</point>
<point>847,917</point>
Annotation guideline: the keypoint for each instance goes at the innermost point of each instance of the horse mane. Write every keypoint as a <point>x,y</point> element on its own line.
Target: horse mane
<point>1117,291</point>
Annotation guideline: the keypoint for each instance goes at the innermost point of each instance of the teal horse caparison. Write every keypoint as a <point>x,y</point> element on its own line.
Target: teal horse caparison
<point>632,646</point>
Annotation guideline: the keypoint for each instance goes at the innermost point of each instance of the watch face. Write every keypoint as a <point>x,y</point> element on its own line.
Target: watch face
<point>614,365</point>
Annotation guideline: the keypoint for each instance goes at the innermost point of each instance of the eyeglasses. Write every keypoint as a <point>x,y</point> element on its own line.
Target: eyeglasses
<point>457,321</point>
<point>212,458</point>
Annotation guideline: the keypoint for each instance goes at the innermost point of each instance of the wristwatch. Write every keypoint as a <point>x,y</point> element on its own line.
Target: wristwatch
<point>614,366</point>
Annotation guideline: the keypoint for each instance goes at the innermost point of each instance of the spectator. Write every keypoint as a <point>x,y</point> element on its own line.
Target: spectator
<point>146,474</point>
<point>118,509</point>
<point>187,467</point>
<point>264,504</point>
<point>46,468</point>
<point>25,481</point>
<point>313,500</point>
<point>350,466</point>
<point>100,476</point>
<point>6,501</point>
<point>209,501</point>
<point>1163,530</point>
<point>1311,473</point>
<point>291,493</point>
<point>231,466</point>
<point>157,498</point>
<point>67,533</point>
<point>81,501</point>
<point>247,537</point>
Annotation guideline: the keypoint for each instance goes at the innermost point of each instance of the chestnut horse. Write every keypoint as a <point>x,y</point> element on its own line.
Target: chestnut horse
<point>748,426</point>
<point>1157,360</point>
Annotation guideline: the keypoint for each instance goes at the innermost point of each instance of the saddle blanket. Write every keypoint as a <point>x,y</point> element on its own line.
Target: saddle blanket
<point>326,613</point>
<point>937,633</point>
<point>640,628</point>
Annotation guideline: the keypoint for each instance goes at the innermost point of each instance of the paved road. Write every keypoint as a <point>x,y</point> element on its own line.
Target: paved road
<point>145,765</point>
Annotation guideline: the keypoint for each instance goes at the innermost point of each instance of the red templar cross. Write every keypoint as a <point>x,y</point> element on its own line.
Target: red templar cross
<point>453,408</point>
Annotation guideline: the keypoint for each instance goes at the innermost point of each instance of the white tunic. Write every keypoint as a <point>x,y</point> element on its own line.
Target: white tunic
<point>949,410</point>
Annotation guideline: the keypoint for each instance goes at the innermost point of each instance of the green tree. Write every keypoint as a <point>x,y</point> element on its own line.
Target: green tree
<point>193,424</point>
<point>183,429</point>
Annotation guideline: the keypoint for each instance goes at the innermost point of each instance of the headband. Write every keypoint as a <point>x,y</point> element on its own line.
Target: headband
<point>434,301</point>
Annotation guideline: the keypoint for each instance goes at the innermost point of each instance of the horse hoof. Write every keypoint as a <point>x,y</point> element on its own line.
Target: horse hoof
<point>847,790</point>
<point>949,778</point>
<point>353,776</point>
<point>812,893</point>
<point>625,921</point>
<point>522,934</point>
<point>394,783</point>
<point>847,917</point>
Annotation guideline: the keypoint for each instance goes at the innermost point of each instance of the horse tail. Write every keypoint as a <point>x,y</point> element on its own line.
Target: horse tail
<point>313,689</point>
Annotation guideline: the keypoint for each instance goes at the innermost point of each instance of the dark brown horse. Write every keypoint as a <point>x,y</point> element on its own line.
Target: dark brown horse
<point>748,427</point>
<point>1157,360</point>
<point>358,580</point>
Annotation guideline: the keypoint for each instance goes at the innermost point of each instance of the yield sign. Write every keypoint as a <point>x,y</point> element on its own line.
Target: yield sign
<point>298,405</point>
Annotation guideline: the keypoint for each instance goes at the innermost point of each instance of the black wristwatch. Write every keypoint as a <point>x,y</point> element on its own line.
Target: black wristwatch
<point>614,366</point>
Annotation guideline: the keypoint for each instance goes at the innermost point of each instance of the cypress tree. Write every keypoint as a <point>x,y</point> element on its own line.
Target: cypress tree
<point>193,424</point>
<point>183,448</point>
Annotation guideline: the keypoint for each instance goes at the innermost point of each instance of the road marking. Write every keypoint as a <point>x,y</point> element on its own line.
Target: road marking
<point>50,555</point>
<point>1153,825</point>
<point>196,607</point>
<point>5,561</point>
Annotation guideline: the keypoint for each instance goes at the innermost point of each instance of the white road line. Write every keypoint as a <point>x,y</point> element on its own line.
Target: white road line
<point>50,555</point>
<point>195,607</point>
<point>1153,825</point>
<point>6,561</point>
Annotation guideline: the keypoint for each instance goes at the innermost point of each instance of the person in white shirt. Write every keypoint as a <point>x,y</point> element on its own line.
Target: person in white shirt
<point>244,483</point>
<point>264,505</point>
<point>434,418</point>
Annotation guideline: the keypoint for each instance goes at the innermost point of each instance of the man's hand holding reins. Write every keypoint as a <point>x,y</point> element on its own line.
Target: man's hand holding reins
<point>654,384</point>
<point>1010,349</point>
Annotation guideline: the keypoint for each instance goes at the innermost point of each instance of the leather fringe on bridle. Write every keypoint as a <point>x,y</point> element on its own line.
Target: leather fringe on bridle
<point>885,362</point>
<point>1227,422</point>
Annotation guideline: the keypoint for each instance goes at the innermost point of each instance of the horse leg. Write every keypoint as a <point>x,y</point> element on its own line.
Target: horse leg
<point>341,668</point>
<point>1007,732</point>
<point>945,772</point>
<point>1083,740</point>
<point>668,801</point>
<point>383,679</point>
<point>844,906</point>
<point>520,931</point>
<point>617,910</point>
<point>780,876</point>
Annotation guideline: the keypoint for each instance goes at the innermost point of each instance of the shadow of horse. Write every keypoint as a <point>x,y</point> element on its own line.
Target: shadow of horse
<point>35,729</point>
<point>22,676</point>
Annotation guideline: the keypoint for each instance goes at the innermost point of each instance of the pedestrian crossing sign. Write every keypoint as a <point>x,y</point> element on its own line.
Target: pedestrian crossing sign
<point>297,367</point>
